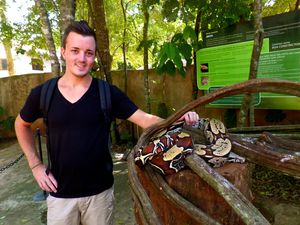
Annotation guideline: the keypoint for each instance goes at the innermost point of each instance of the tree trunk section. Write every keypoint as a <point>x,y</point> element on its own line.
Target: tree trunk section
<point>189,185</point>
<point>194,77</point>
<point>6,37</point>
<point>10,60</point>
<point>146,64</point>
<point>297,5</point>
<point>99,23</point>
<point>258,41</point>
<point>124,45</point>
<point>67,15</point>
<point>46,28</point>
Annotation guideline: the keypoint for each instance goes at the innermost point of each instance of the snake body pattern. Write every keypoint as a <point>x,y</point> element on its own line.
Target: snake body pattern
<point>166,150</point>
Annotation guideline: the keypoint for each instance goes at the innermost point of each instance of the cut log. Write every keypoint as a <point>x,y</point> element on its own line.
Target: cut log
<point>189,185</point>
<point>188,208</point>
<point>167,211</point>
<point>279,142</point>
<point>284,162</point>
<point>237,201</point>
<point>196,193</point>
<point>144,202</point>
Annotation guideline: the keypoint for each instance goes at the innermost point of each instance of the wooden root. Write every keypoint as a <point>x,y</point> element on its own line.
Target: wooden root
<point>145,203</point>
<point>178,200</point>
<point>242,206</point>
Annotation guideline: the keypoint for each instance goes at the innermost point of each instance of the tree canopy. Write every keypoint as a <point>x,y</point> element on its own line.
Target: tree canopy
<point>172,31</point>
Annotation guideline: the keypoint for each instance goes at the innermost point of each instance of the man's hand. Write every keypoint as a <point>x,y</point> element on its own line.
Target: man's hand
<point>45,180</point>
<point>190,118</point>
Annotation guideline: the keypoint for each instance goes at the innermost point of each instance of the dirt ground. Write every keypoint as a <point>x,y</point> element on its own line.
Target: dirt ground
<point>18,192</point>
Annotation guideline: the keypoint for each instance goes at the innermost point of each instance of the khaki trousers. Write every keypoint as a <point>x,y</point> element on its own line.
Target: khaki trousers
<point>91,210</point>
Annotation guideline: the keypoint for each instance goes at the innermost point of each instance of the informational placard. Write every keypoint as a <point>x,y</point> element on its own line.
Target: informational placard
<point>225,58</point>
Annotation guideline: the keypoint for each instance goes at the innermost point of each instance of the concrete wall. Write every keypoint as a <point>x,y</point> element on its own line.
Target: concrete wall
<point>14,90</point>
<point>175,91</point>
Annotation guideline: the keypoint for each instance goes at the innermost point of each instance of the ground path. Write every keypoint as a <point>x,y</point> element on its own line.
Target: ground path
<point>17,189</point>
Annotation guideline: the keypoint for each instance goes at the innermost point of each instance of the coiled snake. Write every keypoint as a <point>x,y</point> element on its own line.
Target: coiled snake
<point>167,149</point>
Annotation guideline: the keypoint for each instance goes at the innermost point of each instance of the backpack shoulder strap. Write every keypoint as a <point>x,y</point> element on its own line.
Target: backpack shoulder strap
<point>105,99</point>
<point>46,96</point>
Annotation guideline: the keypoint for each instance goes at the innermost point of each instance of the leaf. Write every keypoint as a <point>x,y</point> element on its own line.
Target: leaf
<point>170,10</point>
<point>8,123</point>
<point>177,38</point>
<point>21,51</point>
<point>151,2</point>
<point>168,68</point>
<point>189,33</point>
<point>1,110</point>
<point>186,51</point>
<point>182,71</point>
<point>177,61</point>
<point>171,50</point>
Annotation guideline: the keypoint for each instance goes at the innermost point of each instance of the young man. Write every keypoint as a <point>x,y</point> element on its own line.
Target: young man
<point>80,180</point>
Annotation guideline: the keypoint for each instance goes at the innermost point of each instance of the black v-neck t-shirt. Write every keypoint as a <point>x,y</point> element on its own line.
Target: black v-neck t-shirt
<point>78,138</point>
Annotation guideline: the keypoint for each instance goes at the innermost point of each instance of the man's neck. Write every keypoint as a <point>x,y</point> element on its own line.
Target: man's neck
<point>71,80</point>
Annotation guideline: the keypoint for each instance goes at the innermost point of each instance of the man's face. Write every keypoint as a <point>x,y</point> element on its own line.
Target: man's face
<point>79,54</point>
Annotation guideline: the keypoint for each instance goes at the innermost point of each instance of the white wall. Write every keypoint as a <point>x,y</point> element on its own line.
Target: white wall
<point>22,64</point>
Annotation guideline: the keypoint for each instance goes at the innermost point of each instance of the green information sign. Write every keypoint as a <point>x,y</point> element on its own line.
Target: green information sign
<point>234,100</point>
<point>225,58</point>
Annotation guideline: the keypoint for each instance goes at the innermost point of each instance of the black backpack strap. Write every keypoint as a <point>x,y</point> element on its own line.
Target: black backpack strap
<point>45,101</point>
<point>46,96</point>
<point>105,99</point>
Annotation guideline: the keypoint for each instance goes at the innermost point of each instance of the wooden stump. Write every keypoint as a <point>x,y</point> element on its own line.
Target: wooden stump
<point>198,192</point>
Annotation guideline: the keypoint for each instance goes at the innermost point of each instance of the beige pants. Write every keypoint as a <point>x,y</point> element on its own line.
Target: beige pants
<point>92,210</point>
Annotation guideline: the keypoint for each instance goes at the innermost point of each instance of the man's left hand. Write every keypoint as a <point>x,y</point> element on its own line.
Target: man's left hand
<point>190,118</point>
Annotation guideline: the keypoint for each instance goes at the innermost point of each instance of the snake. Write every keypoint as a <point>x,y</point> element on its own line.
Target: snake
<point>166,150</point>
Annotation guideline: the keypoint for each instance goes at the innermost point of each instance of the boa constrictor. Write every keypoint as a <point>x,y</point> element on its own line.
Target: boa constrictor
<point>167,149</point>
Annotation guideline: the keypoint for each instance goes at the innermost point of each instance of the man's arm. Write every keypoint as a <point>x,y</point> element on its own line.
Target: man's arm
<point>145,120</point>
<point>26,141</point>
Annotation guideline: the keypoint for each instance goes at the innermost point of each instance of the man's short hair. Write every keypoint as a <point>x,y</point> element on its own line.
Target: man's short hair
<point>80,27</point>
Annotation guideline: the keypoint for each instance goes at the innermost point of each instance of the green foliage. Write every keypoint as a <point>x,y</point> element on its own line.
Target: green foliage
<point>143,44</point>
<point>7,123</point>
<point>82,11</point>
<point>126,137</point>
<point>229,13</point>
<point>162,110</point>
<point>29,38</point>
<point>167,18</point>
<point>214,14</point>
<point>149,3</point>
<point>183,44</point>
<point>173,53</point>
<point>170,10</point>
<point>6,31</point>
<point>121,66</point>
<point>276,7</point>
<point>1,111</point>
